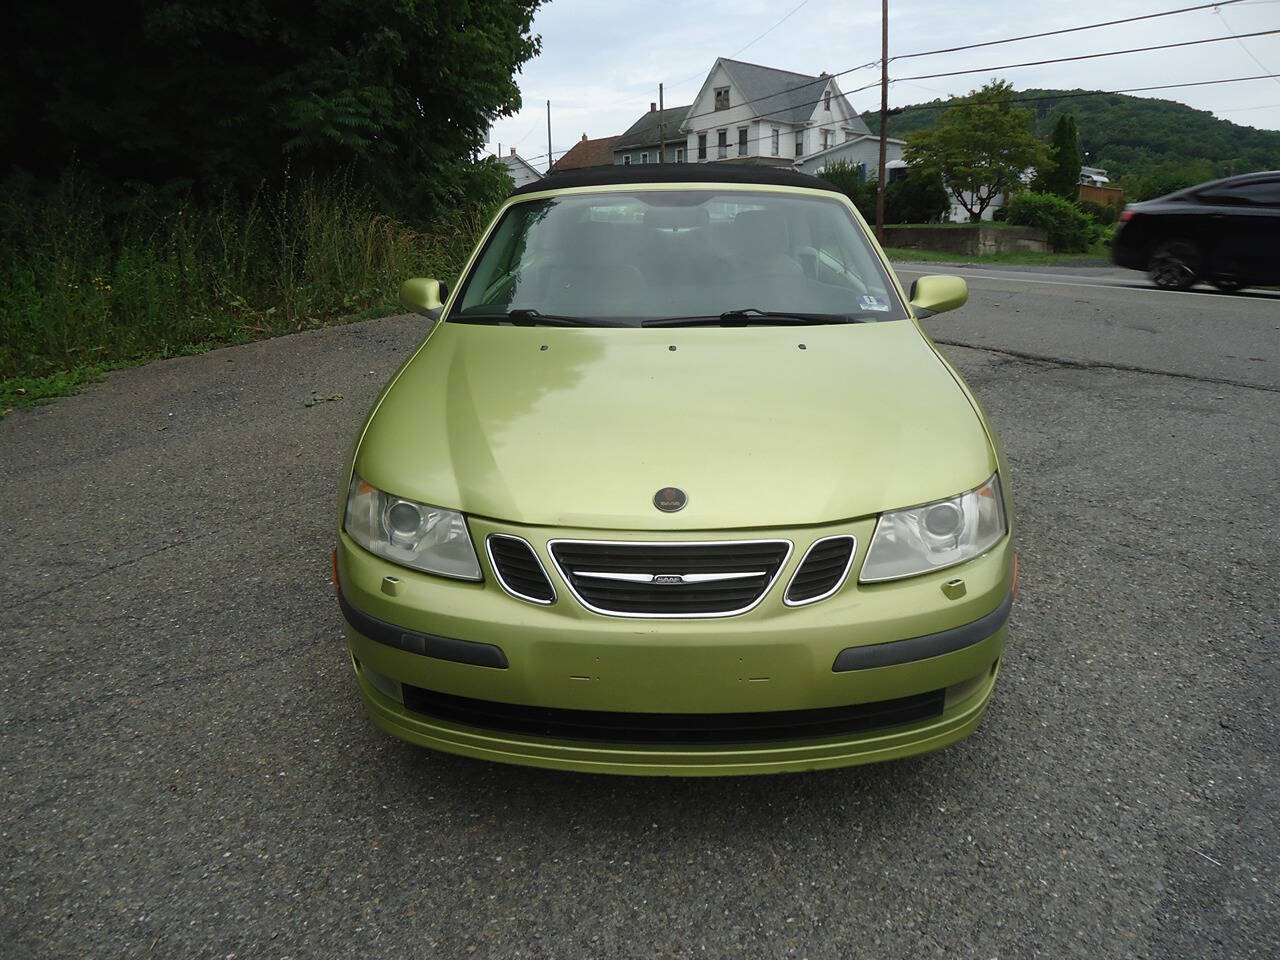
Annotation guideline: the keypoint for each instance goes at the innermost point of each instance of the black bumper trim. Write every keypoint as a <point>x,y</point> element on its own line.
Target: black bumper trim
<point>606,726</point>
<point>922,648</point>
<point>423,644</point>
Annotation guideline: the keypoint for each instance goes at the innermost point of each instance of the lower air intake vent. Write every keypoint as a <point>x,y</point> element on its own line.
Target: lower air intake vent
<point>518,568</point>
<point>822,571</point>
<point>675,728</point>
<point>693,579</point>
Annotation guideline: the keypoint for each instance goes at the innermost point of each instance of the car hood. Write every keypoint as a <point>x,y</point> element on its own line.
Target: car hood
<point>760,426</point>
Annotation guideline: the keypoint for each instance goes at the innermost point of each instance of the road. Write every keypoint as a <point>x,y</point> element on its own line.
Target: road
<point>186,770</point>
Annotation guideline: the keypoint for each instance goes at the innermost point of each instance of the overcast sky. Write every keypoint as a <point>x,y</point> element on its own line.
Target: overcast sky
<point>601,60</point>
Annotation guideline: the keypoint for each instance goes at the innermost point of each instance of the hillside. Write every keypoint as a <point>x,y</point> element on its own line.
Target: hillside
<point>1147,144</point>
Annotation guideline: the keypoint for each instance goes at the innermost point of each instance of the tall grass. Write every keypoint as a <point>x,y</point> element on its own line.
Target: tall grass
<point>86,283</point>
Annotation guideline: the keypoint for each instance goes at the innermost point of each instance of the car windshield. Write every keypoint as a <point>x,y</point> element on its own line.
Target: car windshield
<point>633,257</point>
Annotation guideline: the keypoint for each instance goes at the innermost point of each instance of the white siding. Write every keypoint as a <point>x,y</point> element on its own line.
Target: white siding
<point>520,171</point>
<point>865,151</point>
<point>706,119</point>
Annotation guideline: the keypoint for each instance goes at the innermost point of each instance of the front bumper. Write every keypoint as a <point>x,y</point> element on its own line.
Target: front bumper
<point>865,645</point>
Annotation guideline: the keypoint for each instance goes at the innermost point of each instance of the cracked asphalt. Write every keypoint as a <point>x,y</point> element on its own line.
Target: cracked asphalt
<point>186,770</point>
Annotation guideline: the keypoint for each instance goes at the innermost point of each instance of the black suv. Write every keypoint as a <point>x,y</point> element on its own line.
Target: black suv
<point>1226,232</point>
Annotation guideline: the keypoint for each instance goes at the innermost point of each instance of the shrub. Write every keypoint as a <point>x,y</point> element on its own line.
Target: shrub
<point>90,279</point>
<point>919,197</point>
<point>854,184</point>
<point>1102,213</point>
<point>1069,229</point>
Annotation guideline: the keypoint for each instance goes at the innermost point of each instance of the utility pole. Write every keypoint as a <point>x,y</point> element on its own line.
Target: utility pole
<point>884,114</point>
<point>549,158</point>
<point>662,130</point>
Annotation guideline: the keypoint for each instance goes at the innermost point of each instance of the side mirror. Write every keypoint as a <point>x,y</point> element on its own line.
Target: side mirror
<point>423,296</point>
<point>937,294</point>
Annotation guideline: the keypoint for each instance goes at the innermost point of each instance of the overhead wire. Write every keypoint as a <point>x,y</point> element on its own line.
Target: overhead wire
<point>1054,33</point>
<point>825,78</point>
<point>1087,56</point>
<point>1243,46</point>
<point>731,145</point>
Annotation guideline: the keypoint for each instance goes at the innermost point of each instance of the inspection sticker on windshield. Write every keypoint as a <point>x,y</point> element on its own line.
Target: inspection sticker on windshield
<point>872,302</point>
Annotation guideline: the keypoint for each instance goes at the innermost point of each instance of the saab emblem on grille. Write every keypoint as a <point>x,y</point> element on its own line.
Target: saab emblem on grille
<point>667,578</point>
<point>670,499</point>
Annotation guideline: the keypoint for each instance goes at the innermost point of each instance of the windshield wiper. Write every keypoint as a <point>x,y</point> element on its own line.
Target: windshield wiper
<point>752,315</point>
<point>529,318</point>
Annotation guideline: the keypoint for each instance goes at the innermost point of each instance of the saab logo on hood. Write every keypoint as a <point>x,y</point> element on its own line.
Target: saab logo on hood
<point>670,499</point>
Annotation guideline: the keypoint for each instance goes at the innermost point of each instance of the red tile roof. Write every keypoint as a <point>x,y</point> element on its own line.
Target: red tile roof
<point>586,153</point>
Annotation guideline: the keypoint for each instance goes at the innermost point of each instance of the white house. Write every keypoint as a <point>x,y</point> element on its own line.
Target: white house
<point>520,169</point>
<point>747,113</point>
<point>862,151</point>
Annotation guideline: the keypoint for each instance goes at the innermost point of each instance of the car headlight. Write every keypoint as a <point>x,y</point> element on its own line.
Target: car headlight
<point>936,535</point>
<point>411,534</point>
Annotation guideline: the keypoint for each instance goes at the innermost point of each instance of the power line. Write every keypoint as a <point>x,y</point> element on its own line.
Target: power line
<point>794,10</point>
<point>799,86</point>
<point>1012,100</point>
<point>1054,33</point>
<point>1108,23</point>
<point>1087,56</point>
<point>1264,106</point>
<point>1227,27</point>
<point>776,25</point>
<point>764,116</point>
<point>1094,93</point>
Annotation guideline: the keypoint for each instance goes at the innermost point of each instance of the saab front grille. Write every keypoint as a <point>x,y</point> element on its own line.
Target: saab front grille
<point>635,579</point>
<point>518,569</point>
<point>673,728</point>
<point>822,571</point>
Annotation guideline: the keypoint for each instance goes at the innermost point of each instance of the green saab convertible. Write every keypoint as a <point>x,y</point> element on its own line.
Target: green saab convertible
<point>677,485</point>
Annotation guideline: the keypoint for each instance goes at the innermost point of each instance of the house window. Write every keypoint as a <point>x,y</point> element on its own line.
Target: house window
<point>679,154</point>
<point>722,144</point>
<point>774,138</point>
<point>826,139</point>
<point>702,146</point>
<point>742,141</point>
<point>722,98</point>
<point>644,157</point>
<point>826,101</point>
<point>799,143</point>
<point>626,159</point>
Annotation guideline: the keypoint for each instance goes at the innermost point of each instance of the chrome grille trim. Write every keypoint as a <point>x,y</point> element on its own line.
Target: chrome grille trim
<point>568,580</point>
<point>497,569</point>
<point>840,582</point>
<point>684,577</point>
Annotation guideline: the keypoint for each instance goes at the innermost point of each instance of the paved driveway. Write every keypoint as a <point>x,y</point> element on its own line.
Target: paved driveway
<point>186,771</point>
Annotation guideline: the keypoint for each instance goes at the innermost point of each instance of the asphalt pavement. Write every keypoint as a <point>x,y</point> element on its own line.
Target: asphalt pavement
<point>186,769</point>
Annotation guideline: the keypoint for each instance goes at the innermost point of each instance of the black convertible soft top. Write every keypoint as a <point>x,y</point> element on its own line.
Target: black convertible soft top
<point>624,175</point>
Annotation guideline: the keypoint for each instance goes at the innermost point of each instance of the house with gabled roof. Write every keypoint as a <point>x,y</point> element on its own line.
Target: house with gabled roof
<point>861,151</point>
<point>587,152</point>
<point>748,113</point>
<point>655,131</point>
<point>521,170</point>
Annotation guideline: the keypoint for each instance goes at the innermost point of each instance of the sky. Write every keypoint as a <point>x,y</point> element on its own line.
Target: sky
<point>602,60</point>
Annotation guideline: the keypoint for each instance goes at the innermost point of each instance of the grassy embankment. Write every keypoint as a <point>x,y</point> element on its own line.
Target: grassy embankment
<point>1097,255</point>
<point>86,288</point>
<point>1099,252</point>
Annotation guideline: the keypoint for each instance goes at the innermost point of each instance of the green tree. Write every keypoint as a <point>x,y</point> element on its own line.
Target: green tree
<point>1063,180</point>
<point>853,182</point>
<point>981,146</point>
<point>919,197</point>
<point>222,94</point>
<point>1133,138</point>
